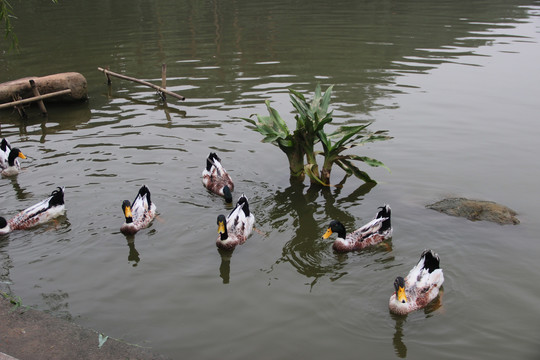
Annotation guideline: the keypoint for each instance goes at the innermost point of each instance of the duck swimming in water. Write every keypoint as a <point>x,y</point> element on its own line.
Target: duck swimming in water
<point>9,162</point>
<point>39,213</point>
<point>235,229</point>
<point>216,179</point>
<point>420,287</point>
<point>139,214</point>
<point>374,232</point>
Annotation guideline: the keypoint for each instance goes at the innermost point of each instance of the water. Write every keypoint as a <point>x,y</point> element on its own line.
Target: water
<point>456,85</point>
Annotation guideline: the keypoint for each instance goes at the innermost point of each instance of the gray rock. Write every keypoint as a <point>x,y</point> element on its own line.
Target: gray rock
<point>476,210</point>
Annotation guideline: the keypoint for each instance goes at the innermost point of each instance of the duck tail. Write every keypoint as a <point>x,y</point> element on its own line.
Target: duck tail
<point>431,260</point>
<point>385,212</point>
<point>243,203</point>
<point>210,160</point>
<point>57,197</point>
<point>5,145</point>
<point>144,191</point>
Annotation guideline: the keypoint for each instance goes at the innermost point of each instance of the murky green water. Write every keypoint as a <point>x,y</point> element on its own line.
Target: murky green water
<point>455,83</point>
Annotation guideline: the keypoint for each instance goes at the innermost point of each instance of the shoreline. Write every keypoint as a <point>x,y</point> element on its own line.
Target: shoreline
<point>27,333</point>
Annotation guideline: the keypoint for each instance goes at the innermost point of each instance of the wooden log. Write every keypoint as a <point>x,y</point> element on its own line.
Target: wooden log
<point>45,85</point>
<point>35,98</point>
<point>36,93</point>
<point>158,88</point>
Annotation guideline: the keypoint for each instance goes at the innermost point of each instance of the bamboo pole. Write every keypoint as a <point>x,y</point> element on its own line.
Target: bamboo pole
<point>158,88</point>
<point>35,91</point>
<point>164,76</point>
<point>35,98</point>
<point>163,80</point>
<point>109,81</point>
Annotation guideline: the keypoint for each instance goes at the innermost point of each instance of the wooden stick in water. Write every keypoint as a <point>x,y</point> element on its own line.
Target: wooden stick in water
<point>164,80</point>
<point>158,88</point>
<point>35,91</point>
<point>35,98</point>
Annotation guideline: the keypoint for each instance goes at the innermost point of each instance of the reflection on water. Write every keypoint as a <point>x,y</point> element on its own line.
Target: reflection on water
<point>59,118</point>
<point>227,58</point>
<point>57,304</point>
<point>158,102</point>
<point>20,192</point>
<point>133,253</point>
<point>399,345</point>
<point>225,265</point>
<point>306,251</point>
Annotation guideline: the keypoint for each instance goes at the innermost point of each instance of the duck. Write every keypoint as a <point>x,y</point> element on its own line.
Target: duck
<point>139,214</point>
<point>216,179</point>
<point>9,162</point>
<point>45,210</point>
<point>236,227</point>
<point>374,232</point>
<point>420,287</point>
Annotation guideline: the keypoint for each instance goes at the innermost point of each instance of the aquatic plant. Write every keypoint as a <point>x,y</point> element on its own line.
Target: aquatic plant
<point>275,131</point>
<point>311,119</point>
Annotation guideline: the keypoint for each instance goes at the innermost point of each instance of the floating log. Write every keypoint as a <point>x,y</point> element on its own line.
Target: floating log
<point>158,88</point>
<point>35,98</point>
<point>73,81</point>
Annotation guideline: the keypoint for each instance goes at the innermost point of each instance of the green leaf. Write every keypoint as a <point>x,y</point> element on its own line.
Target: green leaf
<point>355,171</point>
<point>298,95</point>
<point>101,340</point>
<point>286,143</point>
<point>325,101</point>
<point>300,106</point>
<point>308,169</point>
<point>370,161</point>
<point>326,143</point>
<point>347,132</point>
<point>251,121</point>
<point>324,121</point>
<point>277,121</point>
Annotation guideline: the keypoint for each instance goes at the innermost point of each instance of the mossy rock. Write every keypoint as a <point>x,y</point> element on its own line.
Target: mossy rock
<point>476,210</point>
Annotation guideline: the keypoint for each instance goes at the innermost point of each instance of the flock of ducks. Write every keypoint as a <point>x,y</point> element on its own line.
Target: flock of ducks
<point>415,291</point>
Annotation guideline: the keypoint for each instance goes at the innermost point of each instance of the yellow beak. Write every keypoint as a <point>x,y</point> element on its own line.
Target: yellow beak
<point>127,212</point>
<point>401,297</point>
<point>221,227</point>
<point>21,155</point>
<point>327,234</point>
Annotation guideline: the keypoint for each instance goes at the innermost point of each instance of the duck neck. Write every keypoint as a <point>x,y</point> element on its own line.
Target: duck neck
<point>341,233</point>
<point>11,158</point>
<point>224,235</point>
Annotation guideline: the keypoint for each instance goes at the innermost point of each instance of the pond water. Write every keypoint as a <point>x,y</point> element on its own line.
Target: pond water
<point>455,83</point>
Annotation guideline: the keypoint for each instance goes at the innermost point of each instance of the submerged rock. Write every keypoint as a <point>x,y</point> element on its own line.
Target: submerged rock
<point>476,210</point>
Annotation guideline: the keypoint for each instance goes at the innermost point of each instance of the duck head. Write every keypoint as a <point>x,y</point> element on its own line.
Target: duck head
<point>126,208</point>
<point>4,226</point>
<point>335,227</point>
<point>222,227</point>
<point>399,286</point>
<point>227,194</point>
<point>13,154</point>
